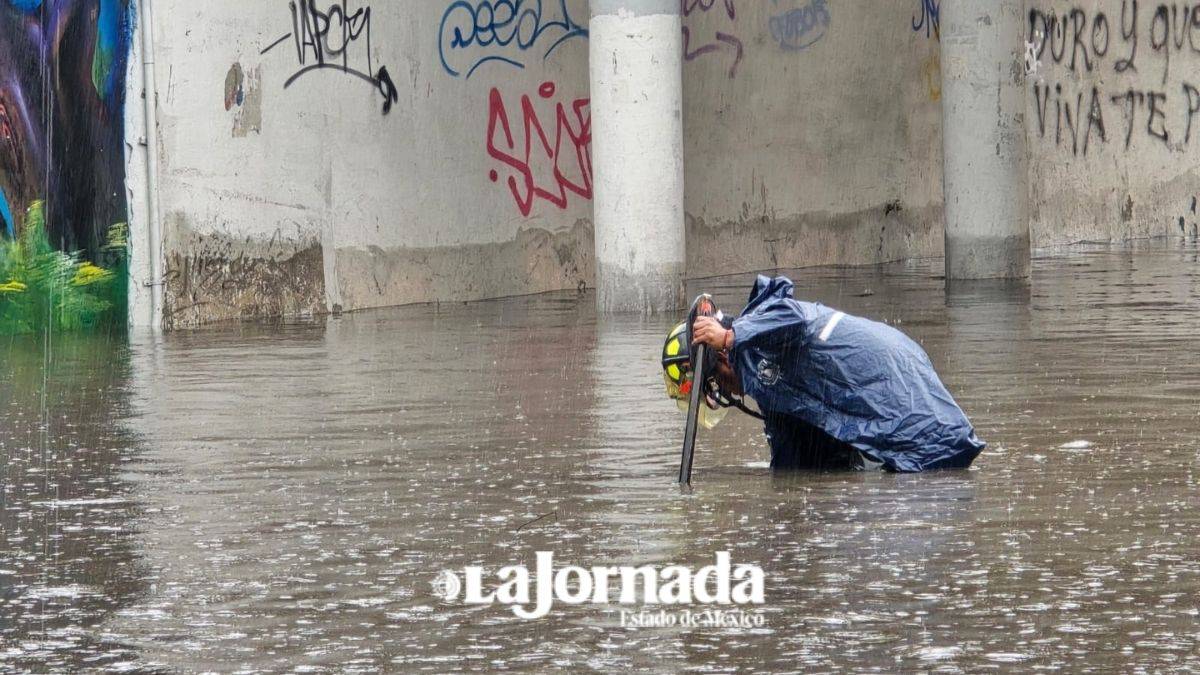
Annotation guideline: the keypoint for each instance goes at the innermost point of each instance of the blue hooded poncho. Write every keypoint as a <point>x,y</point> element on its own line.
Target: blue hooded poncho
<point>815,369</point>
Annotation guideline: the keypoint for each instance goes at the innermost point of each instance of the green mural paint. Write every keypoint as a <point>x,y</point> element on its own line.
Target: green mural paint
<point>42,288</point>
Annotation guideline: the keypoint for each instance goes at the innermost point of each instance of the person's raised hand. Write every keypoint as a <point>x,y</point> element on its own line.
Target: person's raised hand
<point>709,331</point>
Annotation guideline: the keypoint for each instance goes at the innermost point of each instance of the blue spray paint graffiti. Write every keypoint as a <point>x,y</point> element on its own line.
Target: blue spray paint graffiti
<point>501,31</point>
<point>930,19</point>
<point>801,27</point>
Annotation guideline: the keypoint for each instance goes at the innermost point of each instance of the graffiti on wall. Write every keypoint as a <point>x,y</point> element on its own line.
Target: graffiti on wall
<point>800,27</point>
<point>506,32</point>
<point>62,162</point>
<point>336,38</point>
<point>1147,53</point>
<point>711,27</point>
<point>697,43</point>
<point>539,159</point>
<point>928,18</point>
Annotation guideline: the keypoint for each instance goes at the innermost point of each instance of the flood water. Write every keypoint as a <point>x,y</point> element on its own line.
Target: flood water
<point>265,498</point>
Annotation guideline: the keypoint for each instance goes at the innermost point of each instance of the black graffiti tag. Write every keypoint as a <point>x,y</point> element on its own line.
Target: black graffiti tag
<point>336,39</point>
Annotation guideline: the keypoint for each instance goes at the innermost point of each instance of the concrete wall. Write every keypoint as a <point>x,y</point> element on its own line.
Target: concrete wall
<point>416,165</point>
<point>812,133</point>
<point>463,170</point>
<point>1113,119</point>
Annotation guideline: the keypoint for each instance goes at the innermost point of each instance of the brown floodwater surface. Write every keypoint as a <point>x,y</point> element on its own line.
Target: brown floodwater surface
<point>266,498</point>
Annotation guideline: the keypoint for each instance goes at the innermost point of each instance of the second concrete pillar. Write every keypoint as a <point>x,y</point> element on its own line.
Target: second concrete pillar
<point>983,107</point>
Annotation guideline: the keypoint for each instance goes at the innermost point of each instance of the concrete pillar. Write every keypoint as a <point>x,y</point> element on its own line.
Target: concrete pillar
<point>983,111</point>
<point>636,66</point>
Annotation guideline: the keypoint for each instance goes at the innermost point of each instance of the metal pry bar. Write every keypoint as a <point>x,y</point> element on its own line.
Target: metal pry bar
<point>703,306</point>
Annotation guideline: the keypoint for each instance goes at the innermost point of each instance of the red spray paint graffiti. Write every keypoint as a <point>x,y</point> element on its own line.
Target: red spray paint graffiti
<point>567,154</point>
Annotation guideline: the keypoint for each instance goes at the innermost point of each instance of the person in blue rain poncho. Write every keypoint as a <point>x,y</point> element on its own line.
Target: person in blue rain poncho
<point>836,391</point>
